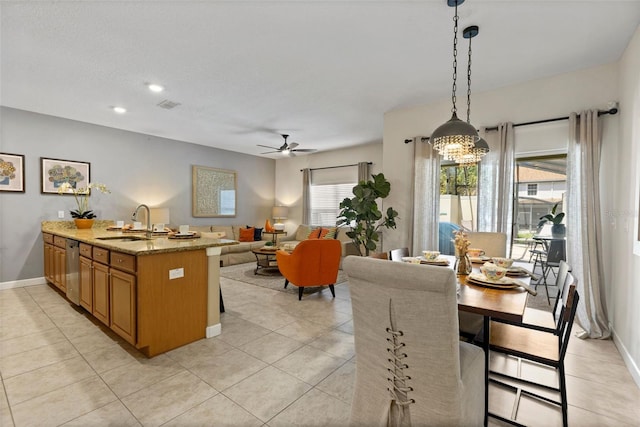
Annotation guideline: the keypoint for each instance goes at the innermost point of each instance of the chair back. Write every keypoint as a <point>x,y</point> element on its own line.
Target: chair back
<point>561,278</point>
<point>493,244</point>
<point>408,365</point>
<point>397,254</point>
<point>313,262</point>
<point>569,305</point>
<point>557,251</point>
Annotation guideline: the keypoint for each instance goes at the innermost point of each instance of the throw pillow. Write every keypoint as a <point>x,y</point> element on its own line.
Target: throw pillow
<point>314,234</point>
<point>246,234</point>
<point>329,233</point>
<point>257,233</point>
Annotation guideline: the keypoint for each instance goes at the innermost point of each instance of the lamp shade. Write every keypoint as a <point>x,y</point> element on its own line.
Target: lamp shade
<point>280,212</point>
<point>453,138</point>
<point>475,154</point>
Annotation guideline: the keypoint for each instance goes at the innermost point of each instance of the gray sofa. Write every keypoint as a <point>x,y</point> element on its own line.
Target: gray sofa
<point>241,253</point>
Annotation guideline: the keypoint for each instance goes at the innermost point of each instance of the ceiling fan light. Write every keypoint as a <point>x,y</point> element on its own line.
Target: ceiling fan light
<point>453,134</point>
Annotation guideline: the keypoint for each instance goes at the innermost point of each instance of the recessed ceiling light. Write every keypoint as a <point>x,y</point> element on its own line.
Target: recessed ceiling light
<point>155,88</point>
<point>120,110</point>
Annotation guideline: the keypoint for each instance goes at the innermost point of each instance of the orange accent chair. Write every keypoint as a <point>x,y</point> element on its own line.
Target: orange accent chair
<point>313,262</point>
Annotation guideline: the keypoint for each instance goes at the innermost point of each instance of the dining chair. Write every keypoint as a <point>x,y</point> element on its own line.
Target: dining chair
<point>411,369</point>
<point>556,252</point>
<point>398,254</point>
<point>493,244</point>
<point>546,346</point>
<point>545,318</point>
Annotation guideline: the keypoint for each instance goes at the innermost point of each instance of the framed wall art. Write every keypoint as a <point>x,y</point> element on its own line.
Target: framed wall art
<point>12,172</point>
<point>213,192</point>
<point>55,172</point>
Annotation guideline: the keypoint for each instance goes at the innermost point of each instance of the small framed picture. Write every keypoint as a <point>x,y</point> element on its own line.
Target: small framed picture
<point>12,172</point>
<point>55,172</point>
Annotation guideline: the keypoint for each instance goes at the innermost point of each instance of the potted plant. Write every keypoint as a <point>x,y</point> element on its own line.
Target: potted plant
<point>363,214</point>
<point>557,229</point>
<point>83,216</point>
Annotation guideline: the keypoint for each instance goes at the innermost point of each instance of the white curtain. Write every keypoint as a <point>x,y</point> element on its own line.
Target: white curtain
<point>584,235</point>
<point>363,171</point>
<point>496,183</point>
<point>306,197</point>
<point>426,198</point>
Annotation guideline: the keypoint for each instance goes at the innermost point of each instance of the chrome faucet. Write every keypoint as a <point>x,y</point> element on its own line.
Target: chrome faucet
<point>134,217</point>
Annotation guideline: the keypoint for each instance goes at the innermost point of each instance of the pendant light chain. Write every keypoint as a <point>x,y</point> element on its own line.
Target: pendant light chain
<point>455,60</point>
<point>469,84</point>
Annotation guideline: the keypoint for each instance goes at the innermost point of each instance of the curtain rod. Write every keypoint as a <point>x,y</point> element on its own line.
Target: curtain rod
<point>333,167</point>
<point>612,110</point>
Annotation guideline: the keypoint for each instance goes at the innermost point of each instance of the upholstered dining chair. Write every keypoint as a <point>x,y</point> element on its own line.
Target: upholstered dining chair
<point>313,262</point>
<point>493,244</point>
<point>546,346</point>
<point>411,368</point>
<point>398,254</point>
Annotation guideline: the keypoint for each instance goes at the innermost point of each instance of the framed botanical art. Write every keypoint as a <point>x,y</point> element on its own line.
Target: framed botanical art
<point>214,192</point>
<point>12,172</point>
<point>55,172</point>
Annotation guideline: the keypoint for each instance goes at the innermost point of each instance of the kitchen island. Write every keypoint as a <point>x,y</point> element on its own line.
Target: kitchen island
<point>157,293</point>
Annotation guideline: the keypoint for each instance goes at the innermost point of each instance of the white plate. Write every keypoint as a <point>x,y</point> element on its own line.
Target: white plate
<point>437,261</point>
<point>479,277</point>
<point>184,234</point>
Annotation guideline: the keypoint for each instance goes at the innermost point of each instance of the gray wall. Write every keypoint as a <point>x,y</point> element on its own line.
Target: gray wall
<point>137,168</point>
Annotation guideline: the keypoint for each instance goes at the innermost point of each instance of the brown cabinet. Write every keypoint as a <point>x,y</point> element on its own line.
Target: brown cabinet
<point>101,292</point>
<point>122,293</point>
<point>86,283</point>
<point>55,260</point>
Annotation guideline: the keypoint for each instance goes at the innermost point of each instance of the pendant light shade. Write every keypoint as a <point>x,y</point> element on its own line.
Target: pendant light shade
<point>475,154</point>
<point>454,137</point>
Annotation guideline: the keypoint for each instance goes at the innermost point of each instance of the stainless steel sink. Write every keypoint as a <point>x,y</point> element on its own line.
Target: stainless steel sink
<point>123,238</point>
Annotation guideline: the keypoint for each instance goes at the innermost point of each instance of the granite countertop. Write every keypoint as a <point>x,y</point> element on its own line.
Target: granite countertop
<point>157,243</point>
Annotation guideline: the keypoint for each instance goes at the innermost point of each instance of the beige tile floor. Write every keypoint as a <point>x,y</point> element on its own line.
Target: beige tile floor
<point>278,362</point>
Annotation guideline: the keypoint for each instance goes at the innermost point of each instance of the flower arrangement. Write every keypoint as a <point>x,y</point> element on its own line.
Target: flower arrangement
<point>82,198</point>
<point>461,242</point>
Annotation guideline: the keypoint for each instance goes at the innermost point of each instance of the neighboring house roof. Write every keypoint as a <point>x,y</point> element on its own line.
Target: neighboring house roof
<point>536,175</point>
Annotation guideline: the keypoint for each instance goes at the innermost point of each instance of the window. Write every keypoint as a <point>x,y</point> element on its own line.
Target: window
<point>325,202</point>
<point>532,189</point>
<point>329,187</point>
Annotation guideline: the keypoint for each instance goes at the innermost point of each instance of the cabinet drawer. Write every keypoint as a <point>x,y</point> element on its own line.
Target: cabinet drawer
<point>60,242</point>
<point>85,250</point>
<point>123,261</point>
<point>101,255</point>
<point>47,238</point>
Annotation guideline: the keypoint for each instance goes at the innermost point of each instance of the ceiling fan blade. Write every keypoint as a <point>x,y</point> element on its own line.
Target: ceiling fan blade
<point>293,145</point>
<point>305,150</point>
<point>266,146</point>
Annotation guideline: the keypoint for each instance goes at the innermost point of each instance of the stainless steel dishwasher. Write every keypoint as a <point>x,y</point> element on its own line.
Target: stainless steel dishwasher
<point>73,271</point>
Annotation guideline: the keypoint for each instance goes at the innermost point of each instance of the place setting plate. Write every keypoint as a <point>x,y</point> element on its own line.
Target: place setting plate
<point>438,261</point>
<point>479,259</point>
<point>189,235</point>
<point>481,279</point>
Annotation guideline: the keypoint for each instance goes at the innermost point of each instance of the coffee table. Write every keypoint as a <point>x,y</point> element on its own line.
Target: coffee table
<point>265,261</point>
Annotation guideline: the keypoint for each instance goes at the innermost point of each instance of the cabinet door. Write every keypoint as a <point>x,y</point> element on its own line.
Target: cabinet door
<point>60,268</point>
<point>101,292</point>
<point>123,305</point>
<point>48,262</point>
<point>86,284</point>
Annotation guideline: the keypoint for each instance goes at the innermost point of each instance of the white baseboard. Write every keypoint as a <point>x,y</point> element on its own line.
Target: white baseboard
<point>628,360</point>
<point>23,283</point>
<point>213,330</point>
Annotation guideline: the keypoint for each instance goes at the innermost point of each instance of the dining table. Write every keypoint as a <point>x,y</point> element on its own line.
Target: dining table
<point>491,303</point>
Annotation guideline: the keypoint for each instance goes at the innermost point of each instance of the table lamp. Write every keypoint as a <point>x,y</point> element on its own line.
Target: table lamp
<point>278,213</point>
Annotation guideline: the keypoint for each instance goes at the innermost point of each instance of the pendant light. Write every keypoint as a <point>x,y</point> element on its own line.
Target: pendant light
<point>480,148</point>
<point>455,136</point>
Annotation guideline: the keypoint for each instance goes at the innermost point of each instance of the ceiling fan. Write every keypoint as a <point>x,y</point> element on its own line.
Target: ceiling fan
<point>287,149</point>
